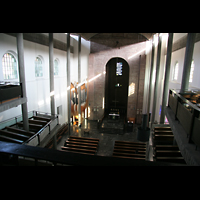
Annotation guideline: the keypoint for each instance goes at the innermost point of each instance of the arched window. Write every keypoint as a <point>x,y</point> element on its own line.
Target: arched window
<point>56,65</point>
<point>9,65</point>
<point>38,67</point>
<point>175,73</point>
<point>191,71</point>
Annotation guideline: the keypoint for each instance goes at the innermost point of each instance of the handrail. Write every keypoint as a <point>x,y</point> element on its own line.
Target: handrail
<point>76,159</point>
<point>14,120</point>
<point>188,118</point>
<point>187,101</point>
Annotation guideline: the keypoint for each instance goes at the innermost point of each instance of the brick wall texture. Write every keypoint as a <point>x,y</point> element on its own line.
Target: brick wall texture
<point>97,64</point>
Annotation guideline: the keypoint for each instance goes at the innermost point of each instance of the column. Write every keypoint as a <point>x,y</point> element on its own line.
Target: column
<point>79,80</point>
<point>187,61</point>
<point>68,82</point>
<point>166,79</point>
<point>20,53</point>
<point>51,74</point>
<point>150,79</point>
<point>51,81</point>
<point>156,79</point>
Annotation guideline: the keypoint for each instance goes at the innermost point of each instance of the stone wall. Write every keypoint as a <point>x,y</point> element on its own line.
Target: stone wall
<point>97,65</point>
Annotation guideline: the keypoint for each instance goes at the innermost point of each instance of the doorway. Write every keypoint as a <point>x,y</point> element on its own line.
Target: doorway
<point>116,86</point>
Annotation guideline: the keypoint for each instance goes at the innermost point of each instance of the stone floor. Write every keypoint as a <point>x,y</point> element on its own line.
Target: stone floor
<point>106,143</point>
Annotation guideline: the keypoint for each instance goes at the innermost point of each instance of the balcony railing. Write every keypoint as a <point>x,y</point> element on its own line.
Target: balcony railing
<point>186,109</point>
<point>39,135</point>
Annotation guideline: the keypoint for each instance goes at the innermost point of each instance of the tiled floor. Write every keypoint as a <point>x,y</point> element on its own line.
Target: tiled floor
<point>106,143</point>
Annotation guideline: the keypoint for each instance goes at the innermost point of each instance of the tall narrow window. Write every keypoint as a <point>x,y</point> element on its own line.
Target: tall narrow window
<point>56,64</point>
<point>191,71</point>
<point>175,74</point>
<point>38,67</point>
<point>9,65</point>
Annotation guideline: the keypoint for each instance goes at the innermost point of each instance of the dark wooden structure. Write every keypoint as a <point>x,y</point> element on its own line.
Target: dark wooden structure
<point>132,150</point>
<point>164,148</point>
<point>83,145</point>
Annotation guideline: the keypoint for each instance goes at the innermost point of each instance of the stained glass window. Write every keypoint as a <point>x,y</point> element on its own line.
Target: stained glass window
<point>38,67</point>
<point>9,65</point>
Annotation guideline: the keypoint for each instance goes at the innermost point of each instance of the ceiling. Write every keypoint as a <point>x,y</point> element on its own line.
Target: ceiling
<point>90,36</point>
<point>105,41</point>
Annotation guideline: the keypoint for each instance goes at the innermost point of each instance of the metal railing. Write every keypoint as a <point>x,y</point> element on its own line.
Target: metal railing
<point>187,113</point>
<point>39,135</point>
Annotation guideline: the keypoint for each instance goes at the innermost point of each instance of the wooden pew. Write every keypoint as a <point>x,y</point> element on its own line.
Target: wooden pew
<point>23,132</point>
<point>165,128</point>
<point>8,139</point>
<point>31,126</point>
<point>132,150</point>
<point>39,122</point>
<point>168,153</point>
<point>81,145</point>
<point>14,135</point>
<point>163,132</point>
<point>42,118</point>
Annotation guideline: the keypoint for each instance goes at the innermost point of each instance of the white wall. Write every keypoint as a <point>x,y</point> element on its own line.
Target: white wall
<point>179,56</point>
<point>38,87</point>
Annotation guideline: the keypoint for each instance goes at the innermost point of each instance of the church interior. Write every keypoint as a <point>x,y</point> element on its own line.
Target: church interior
<point>99,99</point>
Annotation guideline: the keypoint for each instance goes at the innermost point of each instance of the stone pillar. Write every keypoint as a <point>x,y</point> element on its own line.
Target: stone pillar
<point>156,79</point>
<point>51,81</point>
<point>68,82</point>
<point>187,61</point>
<point>51,73</point>
<point>79,80</point>
<point>166,79</point>
<point>20,53</point>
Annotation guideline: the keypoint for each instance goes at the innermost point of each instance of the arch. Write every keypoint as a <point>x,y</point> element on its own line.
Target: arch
<point>39,65</point>
<point>10,65</point>
<point>116,85</point>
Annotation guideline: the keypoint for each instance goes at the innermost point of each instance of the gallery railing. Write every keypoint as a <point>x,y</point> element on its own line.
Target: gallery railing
<point>186,109</point>
<point>39,135</point>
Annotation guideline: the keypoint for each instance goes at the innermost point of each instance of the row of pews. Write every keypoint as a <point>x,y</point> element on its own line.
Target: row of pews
<point>132,150</point>
<point>122,149</point>
<point>16,133</point>
<point>83,145</point>
<point>164,148</point>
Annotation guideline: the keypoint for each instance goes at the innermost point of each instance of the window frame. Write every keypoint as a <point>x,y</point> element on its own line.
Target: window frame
<point>42,66</point>
<point>57,60</point>
<point>14,55</point>
<point>174,72</point>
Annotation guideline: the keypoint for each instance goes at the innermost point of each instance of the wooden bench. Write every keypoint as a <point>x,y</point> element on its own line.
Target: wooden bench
<point>81,145</point>
<point>132,150</point>
<point>35,127</point>
<point>168,153</point>
<point>162,132</point>
<point>39,122</point>
<point>42,118</point>
<point>14,135</point>
<point>8,139</point>
<point>23,132</point>
<point>165,128</point>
